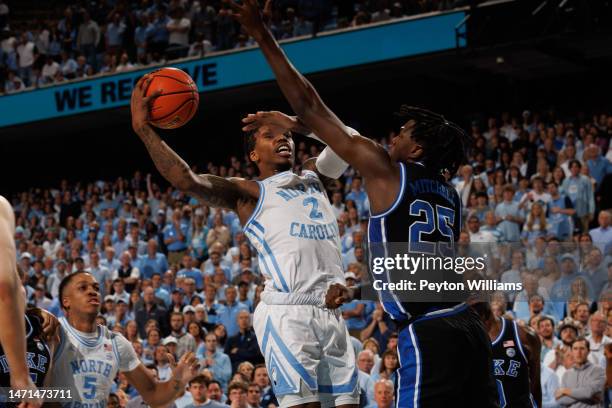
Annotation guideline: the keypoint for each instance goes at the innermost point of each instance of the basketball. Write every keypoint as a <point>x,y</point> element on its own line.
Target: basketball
<point>179,99</point>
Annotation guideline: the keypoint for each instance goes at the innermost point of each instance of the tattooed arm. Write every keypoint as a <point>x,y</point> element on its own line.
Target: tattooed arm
<point>210,190</point>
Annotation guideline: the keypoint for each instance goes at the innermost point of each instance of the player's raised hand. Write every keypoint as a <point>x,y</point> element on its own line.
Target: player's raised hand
<point>336,296</point>
<point>254,121</point>
<point>186,368</point>
<point>249,15</point>
<point>140,102</point>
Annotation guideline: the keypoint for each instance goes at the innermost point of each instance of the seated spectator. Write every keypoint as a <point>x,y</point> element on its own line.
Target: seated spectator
<point>228,314</point>
<point>602,235</point>
<point>151,310</point>
<point>536,225</point>
<point>189,271</point>
<point>237,394</point>
<point>261,378</point>
<point>582,385</point>
<point>560,359</point>
<point>243,346</point>
<point>185,341</point>
<point>383,393</point>
<point>198,388</point>
<point>388,366</point>
<point>597,339</point>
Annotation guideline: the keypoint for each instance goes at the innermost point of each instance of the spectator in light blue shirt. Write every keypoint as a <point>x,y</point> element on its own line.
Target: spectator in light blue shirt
<point>580,190</point>
<point>114,33</point>
<point>561,291</point>
<point>354,312</point>
<point>175,237</point>
<point>153,262</point>
<point>550,384</point>
<point>602,235</point>
<point>228,315</point>
<point>359,196</point>
<point>160,292</point>
<point>560,212</point>
<point>509,216</point>
<point>189,271</point>
<point>599,166</point>
<point>215,360</point>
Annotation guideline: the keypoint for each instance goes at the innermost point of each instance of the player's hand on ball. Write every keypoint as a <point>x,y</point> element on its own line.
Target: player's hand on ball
<point>254,121</point>
<point>336,296</point>
<point>186,368</point>
<point>139,104</point>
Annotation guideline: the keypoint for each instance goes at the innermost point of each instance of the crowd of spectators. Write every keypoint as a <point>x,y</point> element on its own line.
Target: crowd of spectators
<point>106,36</point>
<point>177,276</point>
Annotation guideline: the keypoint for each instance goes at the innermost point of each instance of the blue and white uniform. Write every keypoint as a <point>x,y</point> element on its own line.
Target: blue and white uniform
<point>307,349</point>
<point>87,363</point>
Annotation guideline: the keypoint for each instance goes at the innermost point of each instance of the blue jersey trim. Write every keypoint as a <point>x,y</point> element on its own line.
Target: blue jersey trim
<point>399,197</point>
<point>342,388</point>
<point>60,347</point>
<point>270,255</point>
<point>257,210</point>
<point>85,342</point>
<point>258,226</point>
<point>116,351</point>
<point>501,333</point>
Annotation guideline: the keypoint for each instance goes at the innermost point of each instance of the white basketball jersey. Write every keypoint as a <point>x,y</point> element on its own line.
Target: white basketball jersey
<point>295,233</point>
<point>87,365</point>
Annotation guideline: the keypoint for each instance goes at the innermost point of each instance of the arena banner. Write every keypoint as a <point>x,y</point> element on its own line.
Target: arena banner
<point>399,39</point>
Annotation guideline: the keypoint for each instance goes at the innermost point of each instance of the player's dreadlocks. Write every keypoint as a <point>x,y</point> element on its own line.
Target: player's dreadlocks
<point>445,144</point>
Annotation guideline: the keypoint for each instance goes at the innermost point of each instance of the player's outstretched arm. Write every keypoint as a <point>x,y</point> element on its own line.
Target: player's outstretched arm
<point>210,190</point>
<point>368,157</point>
<point>12,304</point>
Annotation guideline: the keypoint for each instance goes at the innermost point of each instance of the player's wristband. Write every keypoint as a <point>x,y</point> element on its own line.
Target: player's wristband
<point>329,163</point>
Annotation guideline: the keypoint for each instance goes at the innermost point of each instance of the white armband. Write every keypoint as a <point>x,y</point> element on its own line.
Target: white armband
<point>329,163</point>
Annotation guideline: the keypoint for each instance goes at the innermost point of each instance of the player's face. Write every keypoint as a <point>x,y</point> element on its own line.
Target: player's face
<point>403,146</point>
<point>273,146</point>
<point>83,295</point>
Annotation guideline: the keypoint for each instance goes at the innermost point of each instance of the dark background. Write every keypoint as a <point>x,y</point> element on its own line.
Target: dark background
<point>558,62</point>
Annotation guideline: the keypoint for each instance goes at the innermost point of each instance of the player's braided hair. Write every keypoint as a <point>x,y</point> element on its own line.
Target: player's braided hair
<point>444,143</point>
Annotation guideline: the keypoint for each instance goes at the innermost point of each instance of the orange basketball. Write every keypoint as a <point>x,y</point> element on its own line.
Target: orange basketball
<point>179,99</point>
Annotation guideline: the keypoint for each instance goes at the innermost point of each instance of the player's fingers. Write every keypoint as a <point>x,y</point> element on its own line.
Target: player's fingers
<point>249,118</point>
<point>146,84</point>
<point>157,93</point>
<point>340,300</point>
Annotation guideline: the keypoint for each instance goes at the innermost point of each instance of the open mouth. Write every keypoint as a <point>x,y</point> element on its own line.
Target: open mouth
<point>283,150</point>
<point>95,302</point>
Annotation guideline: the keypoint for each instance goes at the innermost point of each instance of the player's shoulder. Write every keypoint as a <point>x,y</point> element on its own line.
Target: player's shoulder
<point>6,210</point>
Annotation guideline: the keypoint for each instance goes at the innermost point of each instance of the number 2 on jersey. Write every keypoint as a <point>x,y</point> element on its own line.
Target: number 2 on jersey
<point>441,218</point>
<point>315,214</point>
